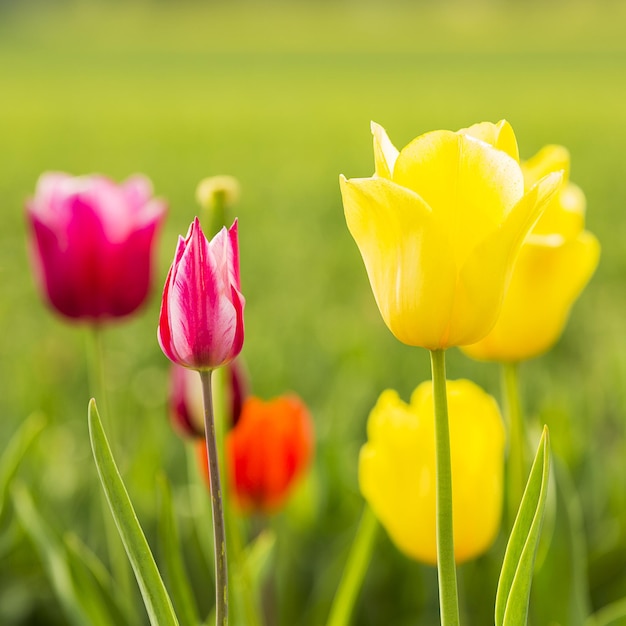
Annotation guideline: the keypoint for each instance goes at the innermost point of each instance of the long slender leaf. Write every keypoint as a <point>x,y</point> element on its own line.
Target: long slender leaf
<point>94,582</point>
<point>258,556</point>
<point>612,615</point>
<point>169,541</point>
<point>155,597</point>
<point>14,452</point>
<point>517,569</point>
<point>79,603</point>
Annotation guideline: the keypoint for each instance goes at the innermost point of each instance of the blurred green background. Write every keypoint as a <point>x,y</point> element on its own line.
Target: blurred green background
<point>281,95</point>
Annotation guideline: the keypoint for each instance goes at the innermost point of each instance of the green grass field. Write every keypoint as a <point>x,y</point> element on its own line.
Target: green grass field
<point>281,96</point>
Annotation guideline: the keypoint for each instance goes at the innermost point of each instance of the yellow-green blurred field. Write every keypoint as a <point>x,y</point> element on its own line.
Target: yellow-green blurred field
<point>281,96</point>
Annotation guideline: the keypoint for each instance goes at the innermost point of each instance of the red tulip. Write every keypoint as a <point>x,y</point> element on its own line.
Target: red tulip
<point>201,321</point>
<point>92,243</point>
<point>267,451</point>
<point>186,404</point>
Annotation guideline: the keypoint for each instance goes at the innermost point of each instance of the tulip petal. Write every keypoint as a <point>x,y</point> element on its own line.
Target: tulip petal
<point>549,159</point>
<point>549,275</point>
<point>397,469</point>
<point>385,153</point>
<point>469,185</point>
<point>485,276</point>
<point>565,214</point>
<point>201,321</point>
<point>137,191</point>
<point>407,257</point>
<point>500,136</point>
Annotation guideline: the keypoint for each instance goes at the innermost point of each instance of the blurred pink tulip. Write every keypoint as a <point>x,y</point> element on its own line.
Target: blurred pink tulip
<point>185,399</point>
<point>92,243</point>
<point>201,321</point>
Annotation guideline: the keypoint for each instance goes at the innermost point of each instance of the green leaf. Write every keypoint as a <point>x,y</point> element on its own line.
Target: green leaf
<point>14,452</point>
<point>80,602</point>
<point>517,569</point>
<point>258,556</point>
<point>611,615</point>
<point>155,597</point>
<point>94,584</point>
<point>170,550</point>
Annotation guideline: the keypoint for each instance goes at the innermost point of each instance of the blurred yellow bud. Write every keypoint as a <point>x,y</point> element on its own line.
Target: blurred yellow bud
<point>397,469</point>
<point>216,191</point>
<point>555,263</point>
<point>439,226</point>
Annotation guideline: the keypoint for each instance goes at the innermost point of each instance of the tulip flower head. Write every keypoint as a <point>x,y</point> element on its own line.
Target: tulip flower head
<point>439,226</point>
<point>186,403</point>
<point>220,189</point>
<point>201,320</point>
<point>555,263</point>
<point>92,243</point>
<point>397,469</point>
<point>268,450</point>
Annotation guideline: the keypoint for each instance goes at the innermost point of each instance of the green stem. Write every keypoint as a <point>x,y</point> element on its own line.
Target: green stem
<point>517,464</point>
<point>355,569</point>
<point>217,212</point>
<point>219,534</point>
<point>97,385</point>
<point>446,566</point>
<point>242,593</point>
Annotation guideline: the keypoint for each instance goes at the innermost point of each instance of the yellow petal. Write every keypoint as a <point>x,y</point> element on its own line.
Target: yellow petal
<point>549,159</point>
<point>406,255</point>
<point>564,215</point>
<point>549,275</point>
<point>469,185</point>
<point>484,278</point>
<point>500,136</point>
<point>397,469</point>
<point>385,153</point>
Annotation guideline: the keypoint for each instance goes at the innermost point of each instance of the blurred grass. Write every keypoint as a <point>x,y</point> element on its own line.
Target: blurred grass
<point>281,96</point>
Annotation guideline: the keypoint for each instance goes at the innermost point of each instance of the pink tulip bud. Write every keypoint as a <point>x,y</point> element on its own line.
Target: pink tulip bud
<point>92,243</point>
<point>186,406</point>
<point>201,321</point>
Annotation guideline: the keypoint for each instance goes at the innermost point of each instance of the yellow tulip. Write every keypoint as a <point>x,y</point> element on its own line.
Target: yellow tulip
<point>439,226</point>
<point>397,469</point>
<point>555,263</point>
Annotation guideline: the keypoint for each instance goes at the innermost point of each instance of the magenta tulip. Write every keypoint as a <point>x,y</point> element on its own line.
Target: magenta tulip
<point>201,321</point>
<point>92,243</point>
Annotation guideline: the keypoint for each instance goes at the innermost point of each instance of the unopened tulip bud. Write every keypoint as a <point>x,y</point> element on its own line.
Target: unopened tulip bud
<point>223,189</point>
<point>268,450</point>
<point>186,405</point>
<point>201,320</point>
<point>397,469</point>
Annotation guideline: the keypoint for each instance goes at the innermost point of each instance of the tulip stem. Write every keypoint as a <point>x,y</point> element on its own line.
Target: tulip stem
<point>446,566</point>
<point>516,470</point>
<point>219,534</point>
<point>355,569</point>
